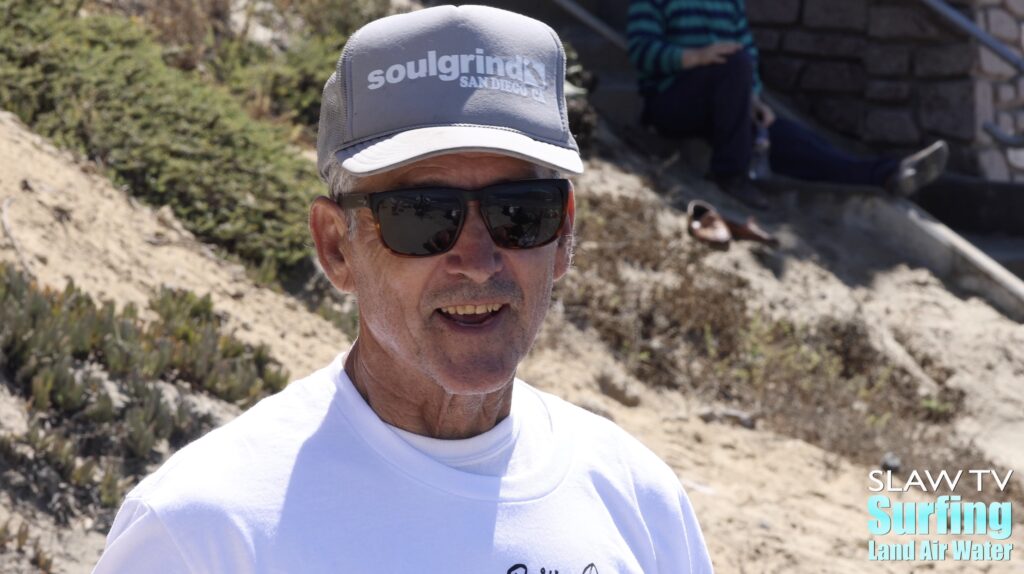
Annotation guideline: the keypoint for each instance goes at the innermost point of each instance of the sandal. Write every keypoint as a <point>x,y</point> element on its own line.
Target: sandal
<point>751,231</point>
<point>704,224</point>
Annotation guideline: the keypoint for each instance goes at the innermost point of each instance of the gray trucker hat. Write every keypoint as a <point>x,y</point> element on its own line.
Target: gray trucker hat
<point>447,79</point>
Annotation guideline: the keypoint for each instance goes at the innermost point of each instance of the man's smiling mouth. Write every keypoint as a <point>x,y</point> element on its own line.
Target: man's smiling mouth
<point>471,315</point>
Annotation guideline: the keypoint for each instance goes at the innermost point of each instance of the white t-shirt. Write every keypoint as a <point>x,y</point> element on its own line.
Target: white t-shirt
<point>489,454</point>
<point>511,447</point>
<point>311,480</point>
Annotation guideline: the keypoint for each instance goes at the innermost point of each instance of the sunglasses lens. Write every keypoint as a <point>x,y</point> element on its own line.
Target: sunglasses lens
<point>524,214</point>
<point>419,222</point>
<point>519,215</point>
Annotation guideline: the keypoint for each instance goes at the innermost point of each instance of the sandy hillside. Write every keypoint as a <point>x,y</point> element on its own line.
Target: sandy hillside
<point>826,267</point>
<point>941,336</point>
<point>73,225</point>
<point>767,503</point>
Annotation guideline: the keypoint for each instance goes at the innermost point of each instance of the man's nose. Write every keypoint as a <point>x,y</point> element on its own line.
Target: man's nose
<point>474,254</point>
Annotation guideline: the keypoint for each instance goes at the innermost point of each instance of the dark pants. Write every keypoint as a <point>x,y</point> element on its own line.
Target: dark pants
<point>713,103</point>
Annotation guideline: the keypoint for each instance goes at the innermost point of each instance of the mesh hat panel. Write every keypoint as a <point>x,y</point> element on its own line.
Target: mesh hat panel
<point>448,66</point>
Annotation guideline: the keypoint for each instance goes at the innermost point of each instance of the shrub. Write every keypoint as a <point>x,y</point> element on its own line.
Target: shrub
<point>582,115</point>
<point>61,347</point>
<point>98,85</point>
<point>325,18</point>
<point>188,29</point>
<point>286,86</point>
<point>280,79</point>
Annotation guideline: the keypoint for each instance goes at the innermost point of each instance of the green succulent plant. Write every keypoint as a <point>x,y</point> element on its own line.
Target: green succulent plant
<point>95,378</point>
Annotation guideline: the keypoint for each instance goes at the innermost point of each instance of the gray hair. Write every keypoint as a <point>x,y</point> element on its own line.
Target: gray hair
<point>341,181</point>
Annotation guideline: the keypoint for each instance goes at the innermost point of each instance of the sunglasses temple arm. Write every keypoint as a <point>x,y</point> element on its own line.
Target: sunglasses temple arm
<point>570,213</point>
<point>353,201</point>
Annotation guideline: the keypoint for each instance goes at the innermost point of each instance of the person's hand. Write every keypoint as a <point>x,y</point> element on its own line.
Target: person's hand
<point>762,113</point>
<point>716,53</point>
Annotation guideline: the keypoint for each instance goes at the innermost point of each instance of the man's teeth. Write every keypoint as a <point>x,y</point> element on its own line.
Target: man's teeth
<point>470,309</point>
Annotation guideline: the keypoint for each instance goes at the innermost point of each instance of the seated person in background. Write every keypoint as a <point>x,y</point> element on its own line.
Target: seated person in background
<point>697,65</point>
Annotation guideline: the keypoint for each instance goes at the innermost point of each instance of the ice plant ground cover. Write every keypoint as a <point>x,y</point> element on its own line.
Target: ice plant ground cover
<point>109,394</point>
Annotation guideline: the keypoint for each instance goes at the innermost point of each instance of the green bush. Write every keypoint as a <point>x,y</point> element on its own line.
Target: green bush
<point>59,347</point>
<point>287,83</point>
<point>325,26</point>
<point>98,85</point>
<point>324,18</point>
<point>286,86</point>
<point>281,79</point>
<point>44,334</point>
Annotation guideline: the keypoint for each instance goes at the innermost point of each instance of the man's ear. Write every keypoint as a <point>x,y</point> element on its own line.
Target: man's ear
<point>329,228</point>
<point>563,258</point>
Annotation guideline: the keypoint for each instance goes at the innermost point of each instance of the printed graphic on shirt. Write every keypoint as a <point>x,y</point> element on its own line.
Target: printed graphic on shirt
<point>522,569</point>
<point>515,75</point>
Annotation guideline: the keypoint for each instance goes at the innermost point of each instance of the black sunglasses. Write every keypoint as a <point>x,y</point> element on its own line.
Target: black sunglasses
<point>424,221</point>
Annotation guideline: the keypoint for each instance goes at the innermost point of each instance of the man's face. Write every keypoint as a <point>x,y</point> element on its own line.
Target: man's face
<point>405,303</point>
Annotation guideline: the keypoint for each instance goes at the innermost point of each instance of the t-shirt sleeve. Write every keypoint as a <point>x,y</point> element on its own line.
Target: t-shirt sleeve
<point>140,542</point>
<point>680,547</point>
<point>672,525</point>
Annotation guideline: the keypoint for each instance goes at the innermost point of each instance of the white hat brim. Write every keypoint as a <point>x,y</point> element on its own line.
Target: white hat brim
<point>406,147</point>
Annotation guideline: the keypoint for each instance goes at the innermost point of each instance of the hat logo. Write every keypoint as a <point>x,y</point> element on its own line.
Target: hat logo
<point>516,75</point>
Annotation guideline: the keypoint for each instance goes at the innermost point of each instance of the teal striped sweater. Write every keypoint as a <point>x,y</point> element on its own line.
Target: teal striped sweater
<point>660,30</point>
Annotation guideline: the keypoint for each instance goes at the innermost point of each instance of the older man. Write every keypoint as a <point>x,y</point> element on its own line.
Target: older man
<point>442,136</point>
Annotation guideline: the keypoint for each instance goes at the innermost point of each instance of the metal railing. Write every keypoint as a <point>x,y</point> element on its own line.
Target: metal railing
<point>964,24</point>
<point>593,22</point>
<point>954,17</point>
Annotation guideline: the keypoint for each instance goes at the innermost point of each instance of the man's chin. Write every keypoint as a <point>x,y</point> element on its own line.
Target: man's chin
<point>477,376</point>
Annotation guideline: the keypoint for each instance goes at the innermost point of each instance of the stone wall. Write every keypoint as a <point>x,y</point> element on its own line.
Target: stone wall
<point>999,95</point>
<point>891,73</point>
